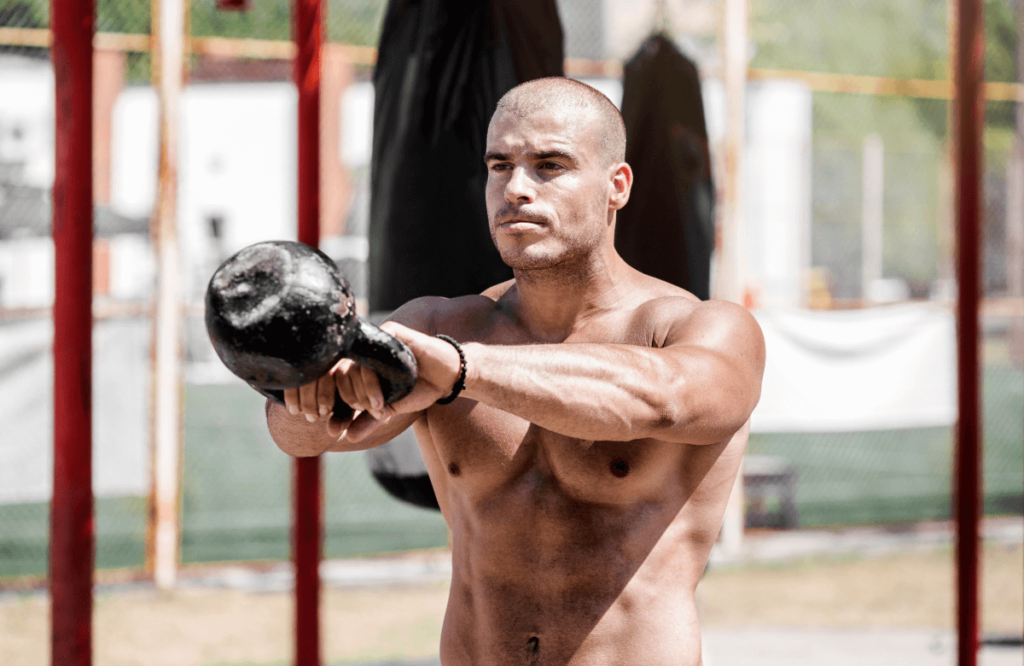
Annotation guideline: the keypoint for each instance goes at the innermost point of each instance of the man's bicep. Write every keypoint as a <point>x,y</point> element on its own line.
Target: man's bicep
<point>718,352</point>
<point>727,330</point>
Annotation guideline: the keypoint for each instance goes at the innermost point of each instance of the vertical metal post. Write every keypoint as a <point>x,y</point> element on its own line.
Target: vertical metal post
<point>72,536</point>
<point>872,189</point>
<point>947,188</point>
<point>970,118</point>
<point>731,248</point>
<point>1015,207</point>
<point>306,547</point>
<point>731,237</point>
<point>168,73</point>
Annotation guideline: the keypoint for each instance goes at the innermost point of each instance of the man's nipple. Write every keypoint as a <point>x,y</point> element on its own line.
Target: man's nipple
<point>453,469</point>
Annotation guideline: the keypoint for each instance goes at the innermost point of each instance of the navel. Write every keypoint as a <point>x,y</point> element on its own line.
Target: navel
<point>453,469</point>
<point>533,646</point>
<point>619,467</point>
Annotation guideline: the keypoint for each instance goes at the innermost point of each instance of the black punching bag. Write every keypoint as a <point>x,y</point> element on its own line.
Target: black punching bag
<point>442,66</point>
<point>667,229</point>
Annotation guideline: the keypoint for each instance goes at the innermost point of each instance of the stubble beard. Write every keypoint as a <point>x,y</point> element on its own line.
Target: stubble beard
<point>568,259</point>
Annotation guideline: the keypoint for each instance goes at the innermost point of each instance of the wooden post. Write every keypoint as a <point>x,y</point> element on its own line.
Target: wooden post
<point>308,499</point>
<point>1015,208</point>
<point>72,531</point>
<point>970,118</point>
<point>730,283</point>
<point>108,81</point>
<point>336,187</point>
<point>169,21</point>
<point>731,246</point>
<point>872,188</point>
<point>946,207</point>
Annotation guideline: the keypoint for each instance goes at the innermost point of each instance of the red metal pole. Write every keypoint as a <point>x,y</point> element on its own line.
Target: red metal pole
<point>308,31</point>
<point>72,544</point>
<point>970,118</point>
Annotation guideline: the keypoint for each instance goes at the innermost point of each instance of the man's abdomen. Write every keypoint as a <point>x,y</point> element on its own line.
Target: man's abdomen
<point>502,624</point>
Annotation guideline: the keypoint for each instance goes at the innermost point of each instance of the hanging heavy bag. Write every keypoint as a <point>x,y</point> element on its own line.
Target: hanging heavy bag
<point>442,66</point>
<point>668,229</point>
<point>280,315</point>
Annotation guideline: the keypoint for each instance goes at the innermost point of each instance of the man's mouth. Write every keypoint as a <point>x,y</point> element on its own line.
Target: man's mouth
<point>521,224</point>
<point>514,224</point>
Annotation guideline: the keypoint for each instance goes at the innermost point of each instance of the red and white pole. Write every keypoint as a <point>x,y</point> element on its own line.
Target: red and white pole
<point>306,525</point>
<point>168,49</point>
<point>969,78</point>
<point>72,531</point>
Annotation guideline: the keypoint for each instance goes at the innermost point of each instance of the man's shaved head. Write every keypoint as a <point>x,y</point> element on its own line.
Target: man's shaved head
<point>559,93</point>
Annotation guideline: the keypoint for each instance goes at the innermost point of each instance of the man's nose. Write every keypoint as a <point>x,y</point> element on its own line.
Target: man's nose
<point>519,188</point>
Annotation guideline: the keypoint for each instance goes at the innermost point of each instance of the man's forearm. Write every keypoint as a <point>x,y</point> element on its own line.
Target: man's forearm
<point>608,392</point>
<point>296,436</point>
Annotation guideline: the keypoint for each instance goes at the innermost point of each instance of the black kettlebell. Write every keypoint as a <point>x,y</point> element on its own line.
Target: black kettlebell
<point>280,315</point>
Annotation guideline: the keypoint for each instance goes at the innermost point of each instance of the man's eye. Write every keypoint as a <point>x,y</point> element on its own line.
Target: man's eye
<point>500,167</point>
<point>549,166</point>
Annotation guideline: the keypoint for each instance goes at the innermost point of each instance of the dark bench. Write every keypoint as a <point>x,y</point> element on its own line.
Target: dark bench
<point>769,488</point>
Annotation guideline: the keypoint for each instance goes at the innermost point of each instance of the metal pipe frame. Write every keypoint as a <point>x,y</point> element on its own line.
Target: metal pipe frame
<point>968,164</point>
<point>72,523</point>
<point>308,499</point>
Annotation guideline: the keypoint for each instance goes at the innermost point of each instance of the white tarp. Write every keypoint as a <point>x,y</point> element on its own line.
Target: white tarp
<point>874,369</point>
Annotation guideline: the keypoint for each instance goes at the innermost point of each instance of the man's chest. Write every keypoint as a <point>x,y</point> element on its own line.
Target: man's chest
<point>485,451</point>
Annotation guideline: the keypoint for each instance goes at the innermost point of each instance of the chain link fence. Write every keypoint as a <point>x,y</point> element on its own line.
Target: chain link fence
<point>237,187</point>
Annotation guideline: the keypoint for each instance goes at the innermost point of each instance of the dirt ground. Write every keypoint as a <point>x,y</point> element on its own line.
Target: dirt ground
<point>218,627</point>
<point>900,590</point>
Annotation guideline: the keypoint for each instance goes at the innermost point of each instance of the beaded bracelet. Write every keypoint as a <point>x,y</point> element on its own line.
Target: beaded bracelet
<point>460,383</point>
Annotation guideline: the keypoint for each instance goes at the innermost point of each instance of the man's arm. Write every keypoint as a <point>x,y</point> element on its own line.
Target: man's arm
<point>303,426</point>
<point>699,388</point>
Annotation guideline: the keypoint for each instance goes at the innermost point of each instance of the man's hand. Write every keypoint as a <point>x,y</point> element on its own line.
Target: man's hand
<point>438,367</point>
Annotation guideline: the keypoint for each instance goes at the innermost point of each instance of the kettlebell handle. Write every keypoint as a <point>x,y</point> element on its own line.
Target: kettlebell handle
<point>379,351</point>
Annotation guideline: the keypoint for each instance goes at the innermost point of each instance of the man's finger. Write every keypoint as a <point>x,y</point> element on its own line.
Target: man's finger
<point>343,382</point>
<point>336,428</point>
<point>359,387</point>
<point>374,395</point>
<point>363,425</point>
<point>291,401</point>
<point>325,394</point>
<point>307,401</point>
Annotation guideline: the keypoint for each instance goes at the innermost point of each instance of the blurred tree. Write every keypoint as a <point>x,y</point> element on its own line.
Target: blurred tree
<point>23,14</point>
<point>127,16</point>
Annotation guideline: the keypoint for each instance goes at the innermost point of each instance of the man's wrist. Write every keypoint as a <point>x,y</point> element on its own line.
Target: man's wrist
<point>476,357</point>
<point>460,378</point>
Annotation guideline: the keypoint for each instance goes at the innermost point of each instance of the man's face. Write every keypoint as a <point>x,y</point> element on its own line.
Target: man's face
<point>547,187</point>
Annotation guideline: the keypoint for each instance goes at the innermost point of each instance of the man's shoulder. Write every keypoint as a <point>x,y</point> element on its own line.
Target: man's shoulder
<point>681,318</point>
<point>458,316</point>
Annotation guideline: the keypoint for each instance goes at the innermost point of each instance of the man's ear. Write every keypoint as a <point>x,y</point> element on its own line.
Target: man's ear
<point>620,185</point>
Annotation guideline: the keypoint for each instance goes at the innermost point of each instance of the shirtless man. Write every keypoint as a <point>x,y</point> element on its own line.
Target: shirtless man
<point>585,468</point>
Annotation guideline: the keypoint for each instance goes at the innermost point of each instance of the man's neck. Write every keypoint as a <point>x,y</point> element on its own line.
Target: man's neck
<point>550,302</point>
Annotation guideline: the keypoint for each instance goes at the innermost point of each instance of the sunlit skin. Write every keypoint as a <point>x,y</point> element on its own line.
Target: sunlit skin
<point>585,469</point>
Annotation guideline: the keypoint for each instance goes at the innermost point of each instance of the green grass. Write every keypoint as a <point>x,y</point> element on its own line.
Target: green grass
<point>236,500</point>
<point>236,489</point>
<point>904,475</point>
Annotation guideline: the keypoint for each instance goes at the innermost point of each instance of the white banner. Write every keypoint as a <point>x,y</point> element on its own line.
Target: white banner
<point>853,370</point>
